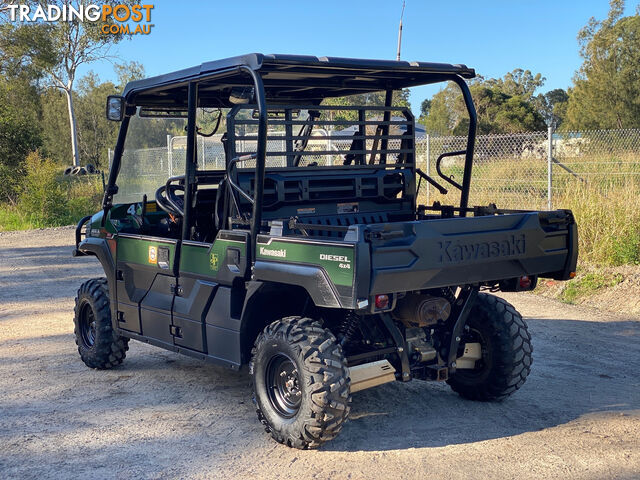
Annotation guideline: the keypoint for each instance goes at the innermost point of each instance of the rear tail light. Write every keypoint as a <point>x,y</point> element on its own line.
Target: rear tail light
<point>525,282</point>
<point>382,301</point>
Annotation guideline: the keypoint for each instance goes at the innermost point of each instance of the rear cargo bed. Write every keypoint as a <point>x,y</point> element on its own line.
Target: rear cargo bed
<point>455,251</point>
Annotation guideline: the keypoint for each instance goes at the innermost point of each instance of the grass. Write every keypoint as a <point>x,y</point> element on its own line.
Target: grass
<point>12,219</point>
<point>588,284</point>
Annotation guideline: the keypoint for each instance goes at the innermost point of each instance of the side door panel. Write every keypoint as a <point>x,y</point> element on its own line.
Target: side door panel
<point>155,309</point>
<point>145,274</point>
<point>207,272</point>
<point>188,312</point>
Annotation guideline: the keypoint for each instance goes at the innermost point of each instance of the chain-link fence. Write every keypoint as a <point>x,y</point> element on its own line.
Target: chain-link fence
<point>530,170</point>
<point>535,170</point>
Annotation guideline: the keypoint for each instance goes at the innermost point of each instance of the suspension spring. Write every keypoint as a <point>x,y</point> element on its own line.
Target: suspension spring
<point>348,328</point>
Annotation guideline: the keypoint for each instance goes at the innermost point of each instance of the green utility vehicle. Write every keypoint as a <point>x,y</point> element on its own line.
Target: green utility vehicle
<point>295,242</point>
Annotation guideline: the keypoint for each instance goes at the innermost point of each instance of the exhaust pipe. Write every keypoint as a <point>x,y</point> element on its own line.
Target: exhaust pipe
<point>371,374</point>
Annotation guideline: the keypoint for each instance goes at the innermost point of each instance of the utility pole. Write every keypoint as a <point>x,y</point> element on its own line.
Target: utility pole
<point>400,32</point>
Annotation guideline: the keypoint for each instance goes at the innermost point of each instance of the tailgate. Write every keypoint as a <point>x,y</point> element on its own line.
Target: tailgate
<point>455,251</point>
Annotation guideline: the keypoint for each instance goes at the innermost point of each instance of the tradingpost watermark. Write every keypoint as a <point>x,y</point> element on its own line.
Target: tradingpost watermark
<point>117,19</point>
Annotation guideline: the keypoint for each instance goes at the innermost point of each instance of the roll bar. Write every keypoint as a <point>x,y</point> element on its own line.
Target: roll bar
<point>260,155</point>
<point>471,141</point>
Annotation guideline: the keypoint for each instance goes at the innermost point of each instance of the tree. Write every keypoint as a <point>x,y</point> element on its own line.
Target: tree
<point>606,92</point>
<point>553,106</point>
<point>57,50</point>
<point>55,121</point>
<point>438,118</point>
<point>503,105</point>
<point>128,72</point>
<point>520,83</point>
<point>95,133</point>
<point>425,106</point>
<point>18,137</point>
<point>400,98</point>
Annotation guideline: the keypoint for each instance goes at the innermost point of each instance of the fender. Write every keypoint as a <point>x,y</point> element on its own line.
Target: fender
<point>313,279</point>
<point>99,248</point>
<point>264,303</point>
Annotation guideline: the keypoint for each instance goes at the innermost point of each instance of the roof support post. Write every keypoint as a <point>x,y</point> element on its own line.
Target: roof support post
<point>191,160</point>
<point>471,141</point>
<point>261,154</point>
<point>111,189</point>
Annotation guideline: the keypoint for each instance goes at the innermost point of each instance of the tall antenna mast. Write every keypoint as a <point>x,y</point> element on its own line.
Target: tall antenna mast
<point>400,32</point>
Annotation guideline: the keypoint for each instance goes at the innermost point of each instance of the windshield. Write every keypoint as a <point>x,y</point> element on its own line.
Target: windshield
<point>155,149</point>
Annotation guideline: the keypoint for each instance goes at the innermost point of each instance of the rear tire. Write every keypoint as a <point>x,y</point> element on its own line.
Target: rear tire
<point>301,382</point>
<point>98,345</point>
<point>506,351</point>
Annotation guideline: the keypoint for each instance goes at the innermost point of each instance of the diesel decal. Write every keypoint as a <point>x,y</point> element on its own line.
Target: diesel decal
<point>334,258</point>
<point>270,252</point>
<point>343,260</point>
<point>455,252</point>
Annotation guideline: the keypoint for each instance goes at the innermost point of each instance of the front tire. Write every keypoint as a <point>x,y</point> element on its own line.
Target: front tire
<point>98,345</point>
<point>301,382</point>
<point>506,351</point>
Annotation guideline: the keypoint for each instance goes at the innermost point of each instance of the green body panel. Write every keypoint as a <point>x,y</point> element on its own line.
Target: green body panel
<point>137,250</point>
<point>338,261</point>
<point>206,260</point>
<point>195,259</point>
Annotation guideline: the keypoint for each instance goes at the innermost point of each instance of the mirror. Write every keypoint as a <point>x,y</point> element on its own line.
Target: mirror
<point>115,108</point>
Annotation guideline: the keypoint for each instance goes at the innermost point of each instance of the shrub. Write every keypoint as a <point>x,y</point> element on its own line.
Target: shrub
<point>43,199</point>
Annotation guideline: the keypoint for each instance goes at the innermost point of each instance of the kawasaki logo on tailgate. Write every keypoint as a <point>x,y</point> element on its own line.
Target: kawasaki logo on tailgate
<point>456,251</point>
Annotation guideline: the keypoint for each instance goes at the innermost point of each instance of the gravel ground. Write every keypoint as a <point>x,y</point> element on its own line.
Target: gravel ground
<point>161,415</point>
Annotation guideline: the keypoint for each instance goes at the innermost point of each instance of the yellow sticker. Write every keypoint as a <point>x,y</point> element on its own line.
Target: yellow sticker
<point>213,261</point>
<point>153,254</point>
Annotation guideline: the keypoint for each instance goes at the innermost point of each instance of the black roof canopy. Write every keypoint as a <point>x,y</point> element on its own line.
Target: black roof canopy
<point>298,79</point>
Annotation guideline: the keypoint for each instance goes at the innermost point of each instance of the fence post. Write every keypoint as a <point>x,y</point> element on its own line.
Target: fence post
<point>428,154</point>
<point>550,168</point>
<point>169,156</point>
<point>109,158</point>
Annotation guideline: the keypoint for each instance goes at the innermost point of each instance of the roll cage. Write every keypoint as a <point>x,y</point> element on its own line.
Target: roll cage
<point>286,83</point>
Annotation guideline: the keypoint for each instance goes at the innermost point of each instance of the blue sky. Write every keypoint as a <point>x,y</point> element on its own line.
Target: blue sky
<point>494,37</point>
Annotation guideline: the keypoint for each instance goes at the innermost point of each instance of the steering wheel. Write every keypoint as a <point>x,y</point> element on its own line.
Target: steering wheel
<point>169,201</point>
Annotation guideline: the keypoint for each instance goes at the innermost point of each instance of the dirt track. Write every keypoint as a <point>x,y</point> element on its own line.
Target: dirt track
<point>161,415</point>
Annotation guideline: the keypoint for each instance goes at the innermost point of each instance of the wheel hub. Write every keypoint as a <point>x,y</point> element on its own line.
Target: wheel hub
<point>283,385</point>
<point>88,325</point>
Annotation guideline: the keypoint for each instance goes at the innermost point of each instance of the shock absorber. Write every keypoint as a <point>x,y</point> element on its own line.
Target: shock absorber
<point>348,327</point>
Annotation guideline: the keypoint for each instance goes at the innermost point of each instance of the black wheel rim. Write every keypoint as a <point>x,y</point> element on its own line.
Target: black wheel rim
<point>87,325</point>
<point>283,385</point>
